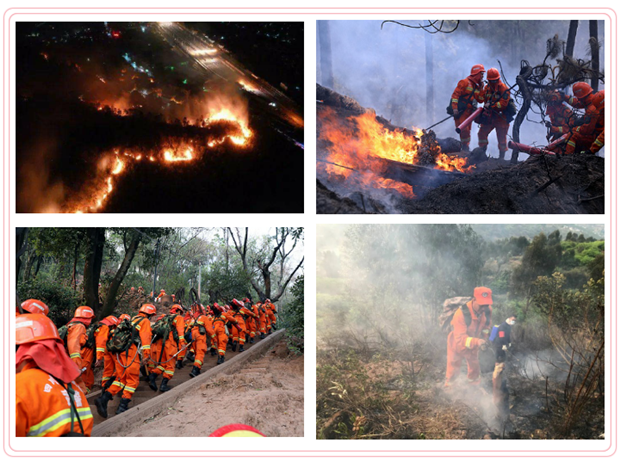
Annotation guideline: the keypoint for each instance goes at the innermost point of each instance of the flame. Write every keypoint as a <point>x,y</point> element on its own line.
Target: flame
<point>355,145</point>
<point>226,115</point>
<point>186,155</point>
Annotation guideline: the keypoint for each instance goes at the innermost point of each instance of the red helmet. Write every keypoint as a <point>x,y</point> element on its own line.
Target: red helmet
<point>227,307</point>
<point>267,300</point>
<point>148,309</point>
<point>217,308</point>
<point>30,328</point>
<point>162,291</point>
<point>237,303</point>
<point>246,300</point>
<point>475,70</point>
<point>124,317</point>
<point>34,306</point>
<point>111,321</point>
<point>493,74</point>
<point>176,309</point>
<point>582,90</point>
<point>84,312</point>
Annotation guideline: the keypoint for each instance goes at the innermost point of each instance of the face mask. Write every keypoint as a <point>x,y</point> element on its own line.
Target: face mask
<point>510,322</point>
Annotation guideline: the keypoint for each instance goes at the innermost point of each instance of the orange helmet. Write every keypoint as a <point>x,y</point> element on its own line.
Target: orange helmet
<point>217,308</point>
<point>582,90</point>
<point>475,70</point>
<point>493,74</point>
<point>30,328</point>
<point>176,309</point>
<point>111,321</point>
<point>267,300</point>
<point>84,312</point>
<point>124,317</point>
<point>148,309</point>
<point>246,300</point>
<point>34,306</point>
<point>162,291</point>
<point>482,295</point>
<point>237,303</point>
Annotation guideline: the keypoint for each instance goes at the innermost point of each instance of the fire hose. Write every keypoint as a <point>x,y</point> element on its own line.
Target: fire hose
<point>531,150</point>
<point>439,122</point>
<point>468,121</point>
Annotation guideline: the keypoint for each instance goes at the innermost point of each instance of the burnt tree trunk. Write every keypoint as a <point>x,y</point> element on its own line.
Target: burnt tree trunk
<point>594,48</point>
<point>325,50</point>
<point>570,41</point>
<point>110,299</point>
<point>525,107</point>
<point>92,266</point>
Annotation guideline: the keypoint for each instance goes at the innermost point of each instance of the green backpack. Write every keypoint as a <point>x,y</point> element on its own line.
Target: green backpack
<point>123,337</point>
<point>64,330</point>
<point>90,335</point>
<point>164,326</point>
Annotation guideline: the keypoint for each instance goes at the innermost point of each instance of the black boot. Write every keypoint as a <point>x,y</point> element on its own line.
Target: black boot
<point>220,359</point>
<point>164,385</point>
<point>252,340</point>
<point>108,383</point>
<point>102,403</point>
<point>241,349</point>
<point>234,346</point>
<point>190,357</point>
<point>262,335</point>
<point>179,364</point>
<point>213,351</point>
<point>123,406</point>
<point>195,372</point>
<point>152,381</point>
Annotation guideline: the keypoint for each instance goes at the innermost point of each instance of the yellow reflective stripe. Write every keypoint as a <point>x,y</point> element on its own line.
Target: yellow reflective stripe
<point>199,362</point>
<point>469,88</point>
<point>130,389</point>
<point>468,342</point>
<point>455,100</point>
<point>75,354</point>
<point>105,378</point>
<point>100,349</point>
<point>148,346</point>
<point>57,420</point>
<point>221,350</point>
<point>171,373</point>
<point>599,143</point>
<point>571,143</point>
<point>116,383</point>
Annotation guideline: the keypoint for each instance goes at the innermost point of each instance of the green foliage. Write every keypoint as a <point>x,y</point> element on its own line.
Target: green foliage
<point>61,300</point>
<point>539,259</point>
<point>292,317</point>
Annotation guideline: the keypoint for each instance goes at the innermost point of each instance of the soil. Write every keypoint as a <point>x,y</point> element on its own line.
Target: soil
<point>268,395</point>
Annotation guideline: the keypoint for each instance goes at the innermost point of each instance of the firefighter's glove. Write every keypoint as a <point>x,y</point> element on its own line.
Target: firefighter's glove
<point>484,345</point>
<point>504,347</point>
<point>548,124</point>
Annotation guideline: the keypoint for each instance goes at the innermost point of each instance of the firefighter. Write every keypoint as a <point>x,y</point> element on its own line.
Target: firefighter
<point>582,137</point>
<point>48,402</point>
<point>203,327</point>
<point>128,364</point>
<point>469,335</point>
<point>104,358</point>
<point>34,306</point>
<point>94,349</point>
<point>76,338</point>
<point>170,345</point>
<point>270,309</point>
<point>464,99</point>
<point>496,98</point>
<point>561,118</point>
<point>598,143</point>
<point>252,319</point>
<point>162,292</point>
<point>241,313</point>
<point>262,320</point>
<point>221,318</point>
<point>501,343</point>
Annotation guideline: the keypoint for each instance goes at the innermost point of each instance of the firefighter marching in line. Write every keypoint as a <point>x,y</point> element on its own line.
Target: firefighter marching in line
<point>170,332</point>
<point>203,326</point>
<point>74,336</point>
<point>48,402</point>
<point>470,332</point>
<point>124,347</point>
<point>241,313</point>
<point>262,320</point>
<point>221,318</point>
<point>104,357</point>
<point>93,350</point>
<point>584,136</point>
<point>251,320</point>
<point>498,112</point>
<point>270,311</point>
<point>464,99</point>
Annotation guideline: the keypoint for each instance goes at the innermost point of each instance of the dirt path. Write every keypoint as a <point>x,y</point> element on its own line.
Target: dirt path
<point>268,394</point>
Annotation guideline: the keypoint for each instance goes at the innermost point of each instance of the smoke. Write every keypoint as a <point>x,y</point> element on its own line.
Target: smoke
<point>385,69</point>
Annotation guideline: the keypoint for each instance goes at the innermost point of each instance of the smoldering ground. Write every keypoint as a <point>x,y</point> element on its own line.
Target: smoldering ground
<point>385,67</point>
<point>381,357</point>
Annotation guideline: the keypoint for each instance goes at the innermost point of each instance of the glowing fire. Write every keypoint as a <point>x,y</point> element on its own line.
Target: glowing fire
<point>356,144</point>
<point>175,156</point>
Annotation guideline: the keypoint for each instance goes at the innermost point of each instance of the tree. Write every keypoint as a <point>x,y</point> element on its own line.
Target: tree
<point>572,35</point>
<point>95,240</point>
<point>325,53</point>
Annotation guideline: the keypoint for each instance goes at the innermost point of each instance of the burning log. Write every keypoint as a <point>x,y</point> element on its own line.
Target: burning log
<point>418,176</point>
<point>468,121</point>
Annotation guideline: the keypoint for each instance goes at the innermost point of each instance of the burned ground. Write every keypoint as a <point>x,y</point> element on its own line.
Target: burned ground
<point>540,185</point>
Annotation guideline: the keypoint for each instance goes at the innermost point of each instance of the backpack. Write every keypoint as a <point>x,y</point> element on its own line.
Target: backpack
<point>494,333</point>
<point>90,335</point>
<point>511,110</point>
<point>164,326</point>
<point>450,306</point>
<point>123,336</point>
<point>63,331</point>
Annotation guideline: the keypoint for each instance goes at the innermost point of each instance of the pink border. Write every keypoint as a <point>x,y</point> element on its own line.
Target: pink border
<point>6,213</point>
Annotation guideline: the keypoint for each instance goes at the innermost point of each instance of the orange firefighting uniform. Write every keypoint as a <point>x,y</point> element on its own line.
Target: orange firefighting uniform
<point>253,321</point>
<point>498,98</point>
<point>464,343</point>
<point>101,338</point>
<point>467,92</point>
<point>43,405</point>
<point>200,344</point>
<point>593,122</point>
<point>89,355</point>
<point>128,363</point>
<point>271,315</point>
<point>561,118</point>
<point>167,362</point>
<point>598,143</point>
<point>76,338</point>
<point>219,325</point>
